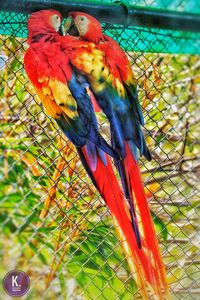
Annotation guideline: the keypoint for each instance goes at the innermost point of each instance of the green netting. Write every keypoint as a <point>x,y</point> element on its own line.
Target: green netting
<point>155,40</point>
<point>179,5</point>
<point>131,38</point>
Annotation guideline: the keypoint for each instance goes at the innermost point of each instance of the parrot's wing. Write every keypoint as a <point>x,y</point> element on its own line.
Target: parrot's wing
<point>110,76</point>
<point>120,60</point>
<point>65,98</point>
<point>50,84</point>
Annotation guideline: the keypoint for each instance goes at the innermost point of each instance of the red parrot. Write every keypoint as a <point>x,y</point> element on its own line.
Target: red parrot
<point>64,93</point>
<point>107,69</point>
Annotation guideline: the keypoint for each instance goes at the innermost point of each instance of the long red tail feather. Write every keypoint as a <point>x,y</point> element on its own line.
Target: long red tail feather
<point>110,191</point>
<point>146,226</point>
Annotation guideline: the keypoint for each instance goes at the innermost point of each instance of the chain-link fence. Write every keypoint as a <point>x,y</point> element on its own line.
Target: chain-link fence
<point>54,225</point>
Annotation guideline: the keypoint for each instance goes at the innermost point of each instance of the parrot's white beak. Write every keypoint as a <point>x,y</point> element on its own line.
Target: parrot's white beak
<point>69,27</point>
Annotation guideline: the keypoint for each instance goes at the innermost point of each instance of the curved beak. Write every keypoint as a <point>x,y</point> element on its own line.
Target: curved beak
<point>60,31</point>
<point>67,24</point>
<point>69,27</point>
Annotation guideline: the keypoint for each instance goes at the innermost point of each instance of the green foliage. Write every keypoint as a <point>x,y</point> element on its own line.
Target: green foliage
<point>101,265</point>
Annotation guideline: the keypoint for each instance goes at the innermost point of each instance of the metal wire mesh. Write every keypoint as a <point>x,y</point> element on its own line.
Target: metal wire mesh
<point>177,5</point>
<point>54,225</point>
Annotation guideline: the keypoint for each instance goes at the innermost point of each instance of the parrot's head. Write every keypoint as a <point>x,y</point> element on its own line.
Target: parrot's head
<point>88,27</point>
<point>44,21</point>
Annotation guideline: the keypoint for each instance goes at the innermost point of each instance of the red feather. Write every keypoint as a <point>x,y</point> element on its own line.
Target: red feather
<point>149,241</point>
<point>148,265</point>
<point>94,102</point>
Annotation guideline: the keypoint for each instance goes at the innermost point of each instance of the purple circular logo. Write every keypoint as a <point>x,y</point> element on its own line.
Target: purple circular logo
<point>16,283</point>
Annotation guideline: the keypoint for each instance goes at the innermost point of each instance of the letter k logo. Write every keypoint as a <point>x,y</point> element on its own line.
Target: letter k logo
<point>14,281</point>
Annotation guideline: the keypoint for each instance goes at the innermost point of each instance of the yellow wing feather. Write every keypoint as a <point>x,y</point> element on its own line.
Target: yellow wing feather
<point>57,98</point>
<point>92,62</point>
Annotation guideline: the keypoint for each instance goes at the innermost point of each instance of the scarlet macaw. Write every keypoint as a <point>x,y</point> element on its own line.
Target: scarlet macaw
<point>112,82</point>
<point>51,63</point>
<point>64,96</point>
<point>114,86</point>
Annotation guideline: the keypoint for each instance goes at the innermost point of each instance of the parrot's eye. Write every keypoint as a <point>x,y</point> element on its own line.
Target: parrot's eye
<point>82,18</point>
<point>56,17</point>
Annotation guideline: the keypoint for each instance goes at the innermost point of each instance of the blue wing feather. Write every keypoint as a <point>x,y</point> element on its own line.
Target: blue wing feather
<point>83,131</point>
